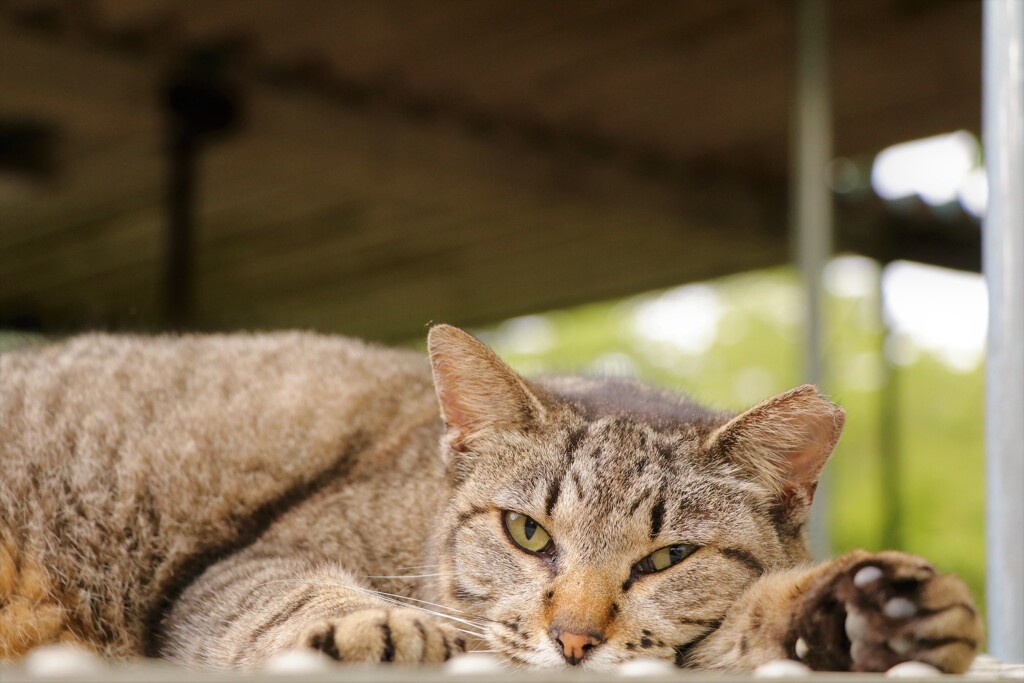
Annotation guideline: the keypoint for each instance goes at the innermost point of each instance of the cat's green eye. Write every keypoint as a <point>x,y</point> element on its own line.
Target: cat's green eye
<point>664,558</point>
<point>527,534</point>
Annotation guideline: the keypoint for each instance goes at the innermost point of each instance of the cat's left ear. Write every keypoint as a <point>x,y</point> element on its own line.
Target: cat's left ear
<point>478,393</point>
<point>784,442</point>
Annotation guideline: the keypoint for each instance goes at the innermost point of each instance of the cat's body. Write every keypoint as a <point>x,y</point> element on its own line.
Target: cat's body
<point>216,500</point>
<point>129,465</point>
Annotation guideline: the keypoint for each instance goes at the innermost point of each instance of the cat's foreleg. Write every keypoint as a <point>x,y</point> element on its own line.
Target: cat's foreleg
<point>860,612</point>
<point>242,611</point>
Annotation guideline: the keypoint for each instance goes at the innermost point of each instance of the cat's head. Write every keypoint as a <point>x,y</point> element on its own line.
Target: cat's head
<point>593,521</point>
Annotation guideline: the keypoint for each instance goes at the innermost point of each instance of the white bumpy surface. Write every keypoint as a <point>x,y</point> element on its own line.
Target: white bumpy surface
<point>913,670</point>
<point>72,663</point>
<point>645,666</point>
<point>473,663</point>
<point>61,660</point>
<point>781,668</point>
<point>298,661</point>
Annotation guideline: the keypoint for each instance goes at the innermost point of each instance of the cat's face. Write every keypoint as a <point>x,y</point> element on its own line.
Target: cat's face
<point>593,522</point>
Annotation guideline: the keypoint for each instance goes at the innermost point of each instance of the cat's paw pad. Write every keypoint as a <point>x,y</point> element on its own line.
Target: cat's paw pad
<point>400,635</point>
<point>887,608</point>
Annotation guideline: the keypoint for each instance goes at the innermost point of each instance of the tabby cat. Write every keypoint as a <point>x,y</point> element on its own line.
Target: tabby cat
<point>215,500</point>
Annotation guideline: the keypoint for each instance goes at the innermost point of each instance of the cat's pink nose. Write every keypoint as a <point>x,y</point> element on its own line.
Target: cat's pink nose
<point>575,646</point>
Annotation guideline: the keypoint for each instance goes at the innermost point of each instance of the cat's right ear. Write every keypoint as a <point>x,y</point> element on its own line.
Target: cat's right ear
<point>478,393</point>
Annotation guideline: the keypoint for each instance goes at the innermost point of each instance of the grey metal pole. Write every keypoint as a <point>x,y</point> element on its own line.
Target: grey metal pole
<point>811,201</point>
<point>1003,259</point>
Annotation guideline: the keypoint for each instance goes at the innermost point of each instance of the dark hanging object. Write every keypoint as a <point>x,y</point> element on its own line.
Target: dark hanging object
<point>28,150</point>
<point>202,105</point>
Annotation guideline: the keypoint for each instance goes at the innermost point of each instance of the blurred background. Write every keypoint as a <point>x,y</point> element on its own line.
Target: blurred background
<point>599,187</point>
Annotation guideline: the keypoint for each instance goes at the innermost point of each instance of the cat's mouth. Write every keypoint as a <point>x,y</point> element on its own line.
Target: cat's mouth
<point>521,648</point>
<point>600,660</point>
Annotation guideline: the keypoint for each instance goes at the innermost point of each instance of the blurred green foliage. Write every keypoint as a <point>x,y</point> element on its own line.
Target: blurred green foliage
<point>918,486</point>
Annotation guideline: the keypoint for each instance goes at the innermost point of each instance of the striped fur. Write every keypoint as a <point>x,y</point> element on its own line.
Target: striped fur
<point>216,500</point>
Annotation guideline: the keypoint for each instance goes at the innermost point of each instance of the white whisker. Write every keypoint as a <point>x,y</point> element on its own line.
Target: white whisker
<point>396,599</point>
<point>405,576</point>
<point>467,631</point>
<point>420,566</point>
<point>425,602</point>
<point>391,599</point>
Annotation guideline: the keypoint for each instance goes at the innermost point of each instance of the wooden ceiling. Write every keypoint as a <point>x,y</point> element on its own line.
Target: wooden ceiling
<point>402,162</point>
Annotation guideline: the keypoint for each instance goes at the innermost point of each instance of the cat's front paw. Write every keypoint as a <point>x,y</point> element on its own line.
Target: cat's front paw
<point>399,635</point>
<point>877,610</point>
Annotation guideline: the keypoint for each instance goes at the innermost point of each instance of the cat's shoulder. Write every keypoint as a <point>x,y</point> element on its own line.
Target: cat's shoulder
<point>240,344</point>
<point>257,355</point>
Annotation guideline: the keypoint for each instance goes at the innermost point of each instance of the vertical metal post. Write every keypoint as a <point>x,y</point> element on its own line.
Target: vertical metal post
<point>1003,259</point>
<point>889,413</point>
<point>811,203</point>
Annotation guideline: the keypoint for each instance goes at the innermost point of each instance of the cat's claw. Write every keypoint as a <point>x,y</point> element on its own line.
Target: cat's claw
<point>878,610</point>
<point>381,635</point>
